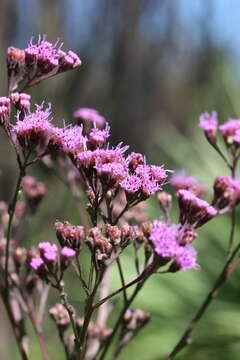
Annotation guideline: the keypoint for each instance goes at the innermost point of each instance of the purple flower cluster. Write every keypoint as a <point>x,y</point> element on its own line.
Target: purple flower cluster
<point>34,128</point>
<point>46,57</point>
<point>49,258</point>
<point>37,62</point>
<point>230,130</point>
<point>166,240</point>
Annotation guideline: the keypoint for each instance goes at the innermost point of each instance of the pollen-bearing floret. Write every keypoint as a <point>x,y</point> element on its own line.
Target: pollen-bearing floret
<point>35,128</point>
<point>166,240</point>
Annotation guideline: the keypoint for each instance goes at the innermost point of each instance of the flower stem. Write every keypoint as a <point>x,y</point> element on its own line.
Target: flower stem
<point>184,340</point>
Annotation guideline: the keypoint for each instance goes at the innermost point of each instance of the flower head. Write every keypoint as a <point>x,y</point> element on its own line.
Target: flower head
<point>68,252</point>
<point>89,116</point>
<point>35,127</point>
<point>166,241</point>
<point>229,129</point>
<point>97,138</point>
<point>209,123</point>
<point>226,193</point>
<point>194,211</point>
<point>48,251</point>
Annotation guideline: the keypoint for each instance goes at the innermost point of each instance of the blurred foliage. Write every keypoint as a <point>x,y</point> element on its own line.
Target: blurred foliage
<point>150,73</point>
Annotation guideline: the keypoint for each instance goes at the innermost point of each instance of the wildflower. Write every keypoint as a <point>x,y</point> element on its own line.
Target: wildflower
<point>37,62</point>
<point>97,138</point>
<point>34,128</point>
<point>48,251</point>
<point>67,252</point>
<point>46,57</point>
<point>194,211</point>
<point>37,264</point>
<point>181,180</point>
<point>88,116</point>
<point>226,193</point>
<point>69,140</point>
<point>69,235</point>
<point>166,241</point>
<point>110,173</point>
<point>229,130</point>
<point>66,255</point>
<point>21,101</point>
<point>208,123</point>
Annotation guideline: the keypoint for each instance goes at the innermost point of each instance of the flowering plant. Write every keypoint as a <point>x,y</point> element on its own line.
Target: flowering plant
<point>116,183</point>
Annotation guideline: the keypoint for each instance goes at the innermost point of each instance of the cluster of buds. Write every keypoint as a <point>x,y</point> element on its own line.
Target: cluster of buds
<point>69,235</point>
<point>106,245</point>
<point>60,316</point>
<point>226,193</point>
<point>135,319</point>
<point>21,101</point>
<point>34,192</point>
<point>49,263</point>
<point>37,61</point>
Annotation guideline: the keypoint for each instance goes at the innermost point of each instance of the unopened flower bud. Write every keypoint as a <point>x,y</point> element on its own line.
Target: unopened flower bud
<point>60,315</point>
<point>19,256</point>
<point>69,235</point>
<point>209,123</point>
<point>165,202</point>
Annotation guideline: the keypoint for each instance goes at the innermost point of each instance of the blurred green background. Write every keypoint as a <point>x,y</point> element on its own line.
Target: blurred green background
<point>150,67</point>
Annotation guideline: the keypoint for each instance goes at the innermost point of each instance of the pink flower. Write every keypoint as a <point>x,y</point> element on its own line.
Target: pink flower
<point>131,184</point>
<point>230,128</point>
<point>37,263</point>
<point>209,123</point>
<point>34,127</point>
<point>48,251</point>
<point>46,57</point>
<point>88,115</point>
<point>166,241</point>
<point>97,138</point>
<point>68,252</point>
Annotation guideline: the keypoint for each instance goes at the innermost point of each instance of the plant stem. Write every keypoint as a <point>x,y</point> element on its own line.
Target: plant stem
<point>88,314</point>
<point>11,211</point>
<point>122,279</point>
<point>18,333</point>
<point>184,340</point>
<point>120,318</point>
